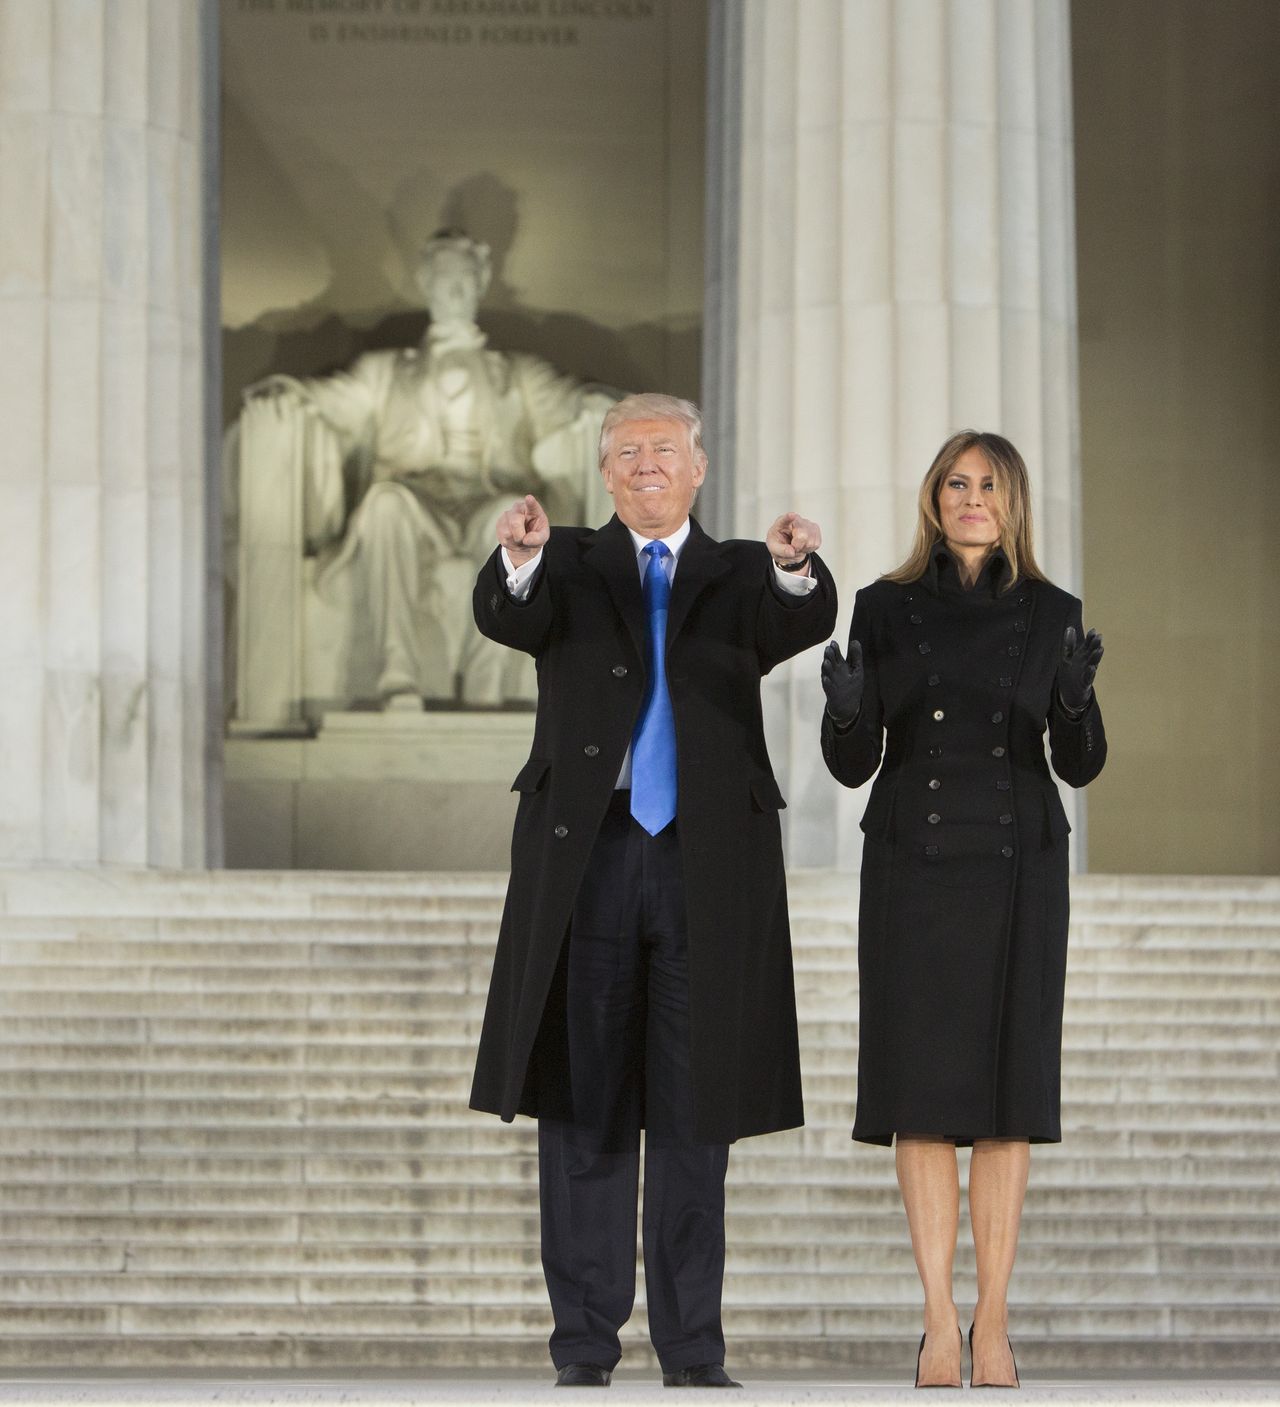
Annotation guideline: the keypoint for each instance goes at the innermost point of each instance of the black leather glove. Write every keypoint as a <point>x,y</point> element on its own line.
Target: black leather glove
<point>842,681</point>
<point>1076,668</point>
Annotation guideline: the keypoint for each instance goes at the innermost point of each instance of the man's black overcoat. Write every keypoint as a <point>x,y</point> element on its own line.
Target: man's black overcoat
<point>585,624</point>
<point>962,923</point>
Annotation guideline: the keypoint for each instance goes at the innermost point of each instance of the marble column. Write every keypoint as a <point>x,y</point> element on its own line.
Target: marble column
<point>905,269</point>
<point>102,485</point>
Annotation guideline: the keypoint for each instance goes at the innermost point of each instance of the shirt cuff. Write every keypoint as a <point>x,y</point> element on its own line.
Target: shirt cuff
<point>795,585</point>
<point>520,579</point>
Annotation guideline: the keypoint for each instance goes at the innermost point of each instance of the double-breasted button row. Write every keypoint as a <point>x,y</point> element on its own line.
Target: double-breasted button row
<point>933,851</point>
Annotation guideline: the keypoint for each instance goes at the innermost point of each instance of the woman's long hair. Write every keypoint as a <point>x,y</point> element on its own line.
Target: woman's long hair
<point>1013,507</point>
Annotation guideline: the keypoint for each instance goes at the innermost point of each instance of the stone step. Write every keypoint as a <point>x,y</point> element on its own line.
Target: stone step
<point>489,1138</point>
<point>178,1003</point>
<point>864,1288</point>
<point>1038,1355</point>
<point>427,946</point>
<point>1133,1104</point>
<point>211,1063</point>
<point>1035,1257</point>
<point>1248,1213</point>
<point>382,1322</point>
<point>1064,1188</point>
<point>27,1175</point>
<point>134,1094</point>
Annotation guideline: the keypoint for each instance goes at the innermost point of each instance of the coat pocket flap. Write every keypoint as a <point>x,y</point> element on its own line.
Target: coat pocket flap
<point>766,795</point>
<point>532,775</point>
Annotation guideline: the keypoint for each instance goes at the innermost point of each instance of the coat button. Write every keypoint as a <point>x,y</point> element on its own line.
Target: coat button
<point>1002,786</point>
<point>908,598</point>
<point>997,752</point>
<point>561,832</point>
<point>591,750</point>
<point>1006,819</point>
<point>1006,681</point>
<point>935,752</point>
<point>933,818</point>
<point>935,679</point>
<point>1015,650</point>
<point>931,850</point>
<point>1007,851</point>
<point>934,784</point>
<point>1019,626</point>
<point>997,717</point>
<point>938,715</point>
<point>923,647</point>
<point>1024,600</point>
<point>619,670</point>
<point>916,618</point>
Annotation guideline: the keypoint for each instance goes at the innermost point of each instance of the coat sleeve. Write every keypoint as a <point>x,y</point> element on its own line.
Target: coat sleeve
<point>788,624</point>
<point>853,754</point>
<point>521,625</point>
<point>1077,746</point>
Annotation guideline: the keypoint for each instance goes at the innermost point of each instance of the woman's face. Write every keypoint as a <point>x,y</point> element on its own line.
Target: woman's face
<point>967,502</point>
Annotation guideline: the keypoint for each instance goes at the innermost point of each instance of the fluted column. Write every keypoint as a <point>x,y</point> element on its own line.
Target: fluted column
<point>906,269</point>
<point>102,486</point>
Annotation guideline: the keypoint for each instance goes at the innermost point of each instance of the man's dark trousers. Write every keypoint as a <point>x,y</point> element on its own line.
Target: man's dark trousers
<point>628,1044</point>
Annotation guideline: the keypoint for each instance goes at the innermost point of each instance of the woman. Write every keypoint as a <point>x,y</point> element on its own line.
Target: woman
<point>957,663</point>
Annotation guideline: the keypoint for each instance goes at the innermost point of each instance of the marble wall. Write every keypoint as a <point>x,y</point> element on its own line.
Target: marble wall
<point>102,484</point>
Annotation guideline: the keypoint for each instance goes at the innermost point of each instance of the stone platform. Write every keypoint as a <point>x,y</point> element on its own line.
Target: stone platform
<point>481,1391</point>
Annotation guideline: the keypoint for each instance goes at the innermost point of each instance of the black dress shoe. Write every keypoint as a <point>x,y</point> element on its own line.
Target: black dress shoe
<point>583,1375</point>
<point>700,1375</point>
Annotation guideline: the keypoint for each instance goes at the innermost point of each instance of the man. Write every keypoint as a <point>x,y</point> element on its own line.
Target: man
<point>643,972</point>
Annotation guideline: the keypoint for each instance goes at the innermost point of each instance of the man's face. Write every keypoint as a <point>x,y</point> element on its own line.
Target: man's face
<point>652,475</point>
<point>451,285</point>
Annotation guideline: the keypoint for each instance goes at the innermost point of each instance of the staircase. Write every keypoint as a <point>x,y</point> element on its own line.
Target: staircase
<point>234,1134</point>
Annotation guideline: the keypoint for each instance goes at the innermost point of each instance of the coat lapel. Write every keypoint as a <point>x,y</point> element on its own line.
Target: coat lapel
<point>611,553</point>
<point>701,562</point>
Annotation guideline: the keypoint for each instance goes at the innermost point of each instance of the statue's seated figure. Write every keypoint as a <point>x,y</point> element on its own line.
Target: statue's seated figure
<point>366,501</point>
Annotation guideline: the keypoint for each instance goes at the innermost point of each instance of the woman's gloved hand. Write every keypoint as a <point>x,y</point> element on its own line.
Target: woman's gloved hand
<point>1076,668</point>
<point>842,681</point>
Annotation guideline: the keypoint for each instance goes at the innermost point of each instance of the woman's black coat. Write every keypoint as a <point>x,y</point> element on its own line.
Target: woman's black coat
<point>962,925</point>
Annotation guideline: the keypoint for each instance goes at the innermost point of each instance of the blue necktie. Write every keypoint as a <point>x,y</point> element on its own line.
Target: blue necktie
<point>653,744</point>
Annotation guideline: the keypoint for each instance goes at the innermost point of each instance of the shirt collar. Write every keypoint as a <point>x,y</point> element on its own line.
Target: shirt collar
<point>944,569</point>
<point>674,543</point>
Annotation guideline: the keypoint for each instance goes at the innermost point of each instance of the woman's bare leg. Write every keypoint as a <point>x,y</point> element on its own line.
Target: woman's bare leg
<point>997,1188</point>
<point>930,1184</point>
